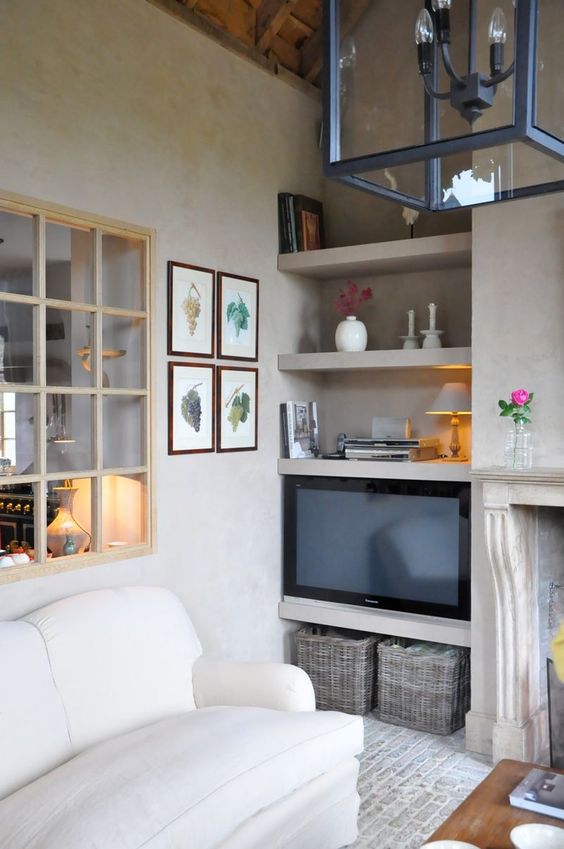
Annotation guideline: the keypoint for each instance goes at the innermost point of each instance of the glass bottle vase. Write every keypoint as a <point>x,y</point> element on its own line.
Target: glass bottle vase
<point>518,453</point>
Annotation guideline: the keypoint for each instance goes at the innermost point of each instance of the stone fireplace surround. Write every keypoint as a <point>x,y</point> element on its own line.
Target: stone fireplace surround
<point>511,503</point>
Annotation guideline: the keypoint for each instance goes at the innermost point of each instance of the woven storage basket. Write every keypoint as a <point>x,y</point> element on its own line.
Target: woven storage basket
<point>342,667</point>
<point>423,685</point>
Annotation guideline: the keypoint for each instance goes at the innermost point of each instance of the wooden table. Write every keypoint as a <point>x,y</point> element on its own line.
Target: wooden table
<point>485,818</point>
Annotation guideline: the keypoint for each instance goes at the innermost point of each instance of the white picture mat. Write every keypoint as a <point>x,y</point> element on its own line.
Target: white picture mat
<point>245,435</point>
<point>184,437</point>
<point>201,341</point>
<point>243,344</point>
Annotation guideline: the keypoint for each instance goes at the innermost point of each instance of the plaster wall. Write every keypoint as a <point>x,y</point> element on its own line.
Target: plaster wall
<point>114,108</point>
<point>517,339</point>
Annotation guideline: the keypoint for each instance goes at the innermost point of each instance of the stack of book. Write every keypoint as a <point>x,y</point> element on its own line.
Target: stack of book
<point>300,223</point>
<point>300,429</point>
<point>402,450</point>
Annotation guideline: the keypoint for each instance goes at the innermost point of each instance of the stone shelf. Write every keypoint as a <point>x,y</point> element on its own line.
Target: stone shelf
<point>429,358</point>
<point>400,256</point>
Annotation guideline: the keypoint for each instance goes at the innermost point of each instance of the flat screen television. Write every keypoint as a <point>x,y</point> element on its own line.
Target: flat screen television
<point>384,544</point>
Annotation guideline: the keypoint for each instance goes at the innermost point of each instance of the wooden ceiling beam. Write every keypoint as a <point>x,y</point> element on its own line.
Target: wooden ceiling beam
<point>234,45</point>
<point>312,51</point>
<point>271,15</point>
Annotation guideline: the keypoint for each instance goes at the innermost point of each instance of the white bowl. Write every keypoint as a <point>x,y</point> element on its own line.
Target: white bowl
<point>449,844</point>
<point>6,561</point>
<point>536,836</point>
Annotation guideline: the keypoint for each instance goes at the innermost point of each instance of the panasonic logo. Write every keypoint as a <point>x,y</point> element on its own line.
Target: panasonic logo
<point>371,601</point>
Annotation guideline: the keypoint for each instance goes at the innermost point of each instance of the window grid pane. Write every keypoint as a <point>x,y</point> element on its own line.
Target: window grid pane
<point>62,350</point>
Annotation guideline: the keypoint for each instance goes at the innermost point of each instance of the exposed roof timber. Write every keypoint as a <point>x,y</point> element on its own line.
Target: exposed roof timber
<point>191,18</point>
<point>312,53</point>
<point>271,15</point>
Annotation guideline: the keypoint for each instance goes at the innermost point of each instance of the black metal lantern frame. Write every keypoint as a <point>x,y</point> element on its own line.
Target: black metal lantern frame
<point>524,128</point>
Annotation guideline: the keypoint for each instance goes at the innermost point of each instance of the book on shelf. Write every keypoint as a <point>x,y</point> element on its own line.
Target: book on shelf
<point>300,223</point>
<point>541,791</point>
<point>300,429</point>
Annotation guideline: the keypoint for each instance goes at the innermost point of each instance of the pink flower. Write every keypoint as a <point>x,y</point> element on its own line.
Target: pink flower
<point>520,397</point>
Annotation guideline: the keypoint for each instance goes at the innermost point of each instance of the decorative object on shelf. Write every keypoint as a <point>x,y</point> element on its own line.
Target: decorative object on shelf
<point>237,408</point>
<point>300,429</point>
<point>64,526</point>
<point>191,307</point>
<point>237,317</point>
<point>432,335</point>
<point>351,334</point>
<point>518,451</point>
<point>453,400</point>
<point>519,151</point>
<point>411,341</point>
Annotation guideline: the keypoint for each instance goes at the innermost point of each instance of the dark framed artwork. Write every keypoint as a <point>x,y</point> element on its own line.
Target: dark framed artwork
<point>191,306</point>
<point>191,408</point>
<point>237,317</point>
<point>237,408</point>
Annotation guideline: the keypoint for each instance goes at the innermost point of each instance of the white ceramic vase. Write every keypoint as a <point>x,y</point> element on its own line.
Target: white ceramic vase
<point>351,335</point>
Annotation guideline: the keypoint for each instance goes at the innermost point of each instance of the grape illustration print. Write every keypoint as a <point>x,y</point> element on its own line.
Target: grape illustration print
<point>237,408</point>
<point>191,408</point>
<point>237,316</point>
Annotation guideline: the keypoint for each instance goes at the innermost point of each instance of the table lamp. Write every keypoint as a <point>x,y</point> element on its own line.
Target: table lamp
<point>453,400</point>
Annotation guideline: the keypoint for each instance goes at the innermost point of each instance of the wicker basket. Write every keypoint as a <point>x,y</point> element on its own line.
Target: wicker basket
<point>423,685</point>
<point>342,667</point>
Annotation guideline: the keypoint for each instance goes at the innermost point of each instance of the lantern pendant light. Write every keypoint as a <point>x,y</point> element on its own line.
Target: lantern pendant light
<point>433,127</point>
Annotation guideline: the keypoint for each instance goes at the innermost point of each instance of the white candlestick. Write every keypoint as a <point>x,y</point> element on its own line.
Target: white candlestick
<point>411,322</point>
<point>432,316</point>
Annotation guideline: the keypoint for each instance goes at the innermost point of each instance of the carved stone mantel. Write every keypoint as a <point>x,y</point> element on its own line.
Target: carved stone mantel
<point>511,525</point>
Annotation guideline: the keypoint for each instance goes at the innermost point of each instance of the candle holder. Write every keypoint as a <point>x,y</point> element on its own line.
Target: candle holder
<point>411,341</point>
<point>432,335</point>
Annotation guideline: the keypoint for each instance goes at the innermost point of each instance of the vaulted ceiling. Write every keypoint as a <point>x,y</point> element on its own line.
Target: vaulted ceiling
<point>276,33</point>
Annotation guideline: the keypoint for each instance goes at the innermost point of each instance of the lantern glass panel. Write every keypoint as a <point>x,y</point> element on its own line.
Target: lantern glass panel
<point>550,68</point>
<point>380,91</point>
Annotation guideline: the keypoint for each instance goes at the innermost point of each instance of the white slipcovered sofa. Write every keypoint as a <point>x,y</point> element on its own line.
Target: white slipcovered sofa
<point>116,734</point>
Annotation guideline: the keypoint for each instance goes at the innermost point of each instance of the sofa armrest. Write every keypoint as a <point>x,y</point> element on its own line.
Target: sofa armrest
<point>269,685</point>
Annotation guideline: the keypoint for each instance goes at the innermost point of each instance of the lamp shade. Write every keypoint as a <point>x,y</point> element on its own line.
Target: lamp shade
<point>453,398</point>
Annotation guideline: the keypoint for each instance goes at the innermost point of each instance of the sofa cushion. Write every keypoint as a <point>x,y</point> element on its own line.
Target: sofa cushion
<point>184,783</point>
<point>120,658</point>
<point>33,730</point>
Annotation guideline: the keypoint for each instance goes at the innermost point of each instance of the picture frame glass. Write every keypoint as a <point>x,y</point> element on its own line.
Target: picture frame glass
<point>238,317</point>
<point>191,308</point>
<point>237,408</point>
<point>191,408</point>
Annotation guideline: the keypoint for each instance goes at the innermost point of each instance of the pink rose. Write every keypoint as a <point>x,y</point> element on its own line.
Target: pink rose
<point>520,397</point>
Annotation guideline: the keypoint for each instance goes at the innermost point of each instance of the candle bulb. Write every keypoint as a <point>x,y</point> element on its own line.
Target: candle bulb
<point>432,316</point>
<point>411,322</point>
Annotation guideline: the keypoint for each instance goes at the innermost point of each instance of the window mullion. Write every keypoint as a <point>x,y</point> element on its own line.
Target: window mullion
<point>40,414</point>
<point>97,359</point>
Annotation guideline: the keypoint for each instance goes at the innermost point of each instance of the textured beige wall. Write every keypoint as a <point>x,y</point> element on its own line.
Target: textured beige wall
<point>114,108</point>
<point>517,338</point>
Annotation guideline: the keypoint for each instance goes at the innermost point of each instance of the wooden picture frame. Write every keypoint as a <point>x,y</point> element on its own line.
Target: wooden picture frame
<point>237,317</point>
<point>186,434</point>
<point>191,307</point>
<point>237,388</point>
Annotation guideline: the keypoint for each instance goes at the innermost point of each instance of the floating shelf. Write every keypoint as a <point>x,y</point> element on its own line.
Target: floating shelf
<point>394,359</point>
<point>404,255</point>
<point>415,627</point>
<point>430,470</point>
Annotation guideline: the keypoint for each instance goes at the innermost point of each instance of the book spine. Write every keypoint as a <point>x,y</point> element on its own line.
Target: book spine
<point>287,222</point>
<point>290,421</point>
<point>284,423</point>
<point>293,236</point>
<point>537,807</point>
<point>298,206</point>
<point>314,428</point>
<point>282,230</point>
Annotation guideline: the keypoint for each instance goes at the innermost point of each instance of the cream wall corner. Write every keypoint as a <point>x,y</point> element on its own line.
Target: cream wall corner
<point>115,108</point>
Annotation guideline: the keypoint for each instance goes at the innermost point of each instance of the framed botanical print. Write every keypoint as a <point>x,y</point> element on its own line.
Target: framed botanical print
<point>237,403</point>
<point>191,301</point>
<point>237,317</point>
<point>191,408</point>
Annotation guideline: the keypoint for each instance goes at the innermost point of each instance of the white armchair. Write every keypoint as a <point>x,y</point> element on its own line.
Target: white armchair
<point>114,732</point>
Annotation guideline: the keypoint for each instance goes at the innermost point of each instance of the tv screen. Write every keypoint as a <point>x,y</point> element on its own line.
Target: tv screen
<point>397,545</point>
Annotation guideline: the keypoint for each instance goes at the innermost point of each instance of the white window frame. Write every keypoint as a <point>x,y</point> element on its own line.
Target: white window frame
<point>41,213</point>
